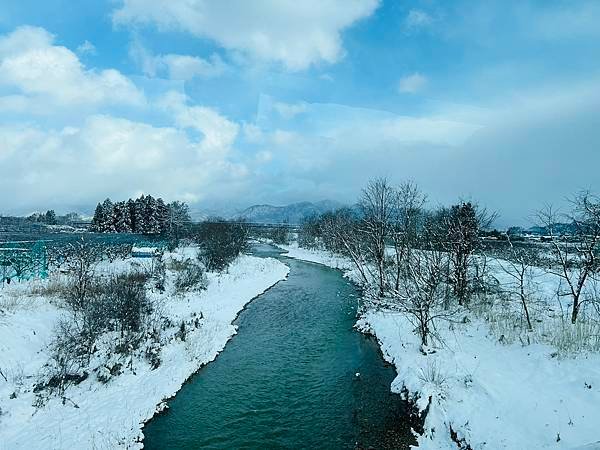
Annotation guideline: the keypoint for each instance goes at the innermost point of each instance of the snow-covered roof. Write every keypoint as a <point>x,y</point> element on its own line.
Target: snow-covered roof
<point>144,249</point>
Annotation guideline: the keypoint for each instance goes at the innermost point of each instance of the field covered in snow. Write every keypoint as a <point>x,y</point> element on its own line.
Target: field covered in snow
<point>487,384</point>
<point>111,414</point>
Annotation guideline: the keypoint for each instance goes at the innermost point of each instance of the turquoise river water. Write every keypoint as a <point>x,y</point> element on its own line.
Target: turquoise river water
<point>297,375</point>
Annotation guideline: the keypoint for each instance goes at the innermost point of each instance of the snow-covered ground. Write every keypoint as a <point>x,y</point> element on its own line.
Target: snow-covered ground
<point>493,395</point>
<point>111,415</point>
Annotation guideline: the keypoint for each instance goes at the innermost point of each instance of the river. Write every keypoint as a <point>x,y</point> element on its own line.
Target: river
<point>297,375</point>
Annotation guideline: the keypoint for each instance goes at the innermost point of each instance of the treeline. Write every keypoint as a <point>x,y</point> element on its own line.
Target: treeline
<point>48,218</point>
<point>431,263</point>
<point>146,215</point>
<point>391,222</point>
<point>51,218</point>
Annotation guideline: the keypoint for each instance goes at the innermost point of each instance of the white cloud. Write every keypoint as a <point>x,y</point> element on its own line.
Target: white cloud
<point>185,67</point>
<point>115,144</point>
<point>148,62</point>
<point>175,66</point>
<point>252,133</point>
<point>109,156</point>
<point>412,84</point>
<point>289,110</point>
<point>86,48</point>
<point>218,132</point>
<point>295,33</point>
<point>24,39</point>
<point>47,74</point>
<point>84,153</point>
<point>417,19</point>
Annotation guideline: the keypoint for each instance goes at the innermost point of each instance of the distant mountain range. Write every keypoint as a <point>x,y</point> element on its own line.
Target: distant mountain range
<point>294,213</point>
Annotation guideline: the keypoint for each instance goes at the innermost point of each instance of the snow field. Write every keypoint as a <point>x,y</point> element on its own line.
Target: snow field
<point>111,415</point>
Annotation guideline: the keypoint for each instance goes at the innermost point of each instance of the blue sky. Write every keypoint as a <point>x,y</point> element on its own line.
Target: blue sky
<point>233,102</point>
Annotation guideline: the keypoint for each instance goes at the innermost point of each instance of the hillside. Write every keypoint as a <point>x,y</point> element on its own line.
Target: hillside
<point>293,213</point>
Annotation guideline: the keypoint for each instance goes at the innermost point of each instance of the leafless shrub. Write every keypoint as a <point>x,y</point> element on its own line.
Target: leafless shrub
<point>310,233</point>
<point>279,234</point>
<point>519,263</point>
<point>189,276</point>
<point>16,375</point>
<point>63,256</point>
<point>126,301</point>
<point>68,357</point>
<point>10,301</point>
<point>117,303</point>
<point>569,338</point>
<point>117,251</point>
<point>152,350</point>
<point>341,233</point>
<point>221,242</point>
<point>182,332</point>
<point>159,273</point>
<point>57,287</point>
<point>421,294</point>
<point>576,261</point>
<point>82,258</point>
<point>432,374</point>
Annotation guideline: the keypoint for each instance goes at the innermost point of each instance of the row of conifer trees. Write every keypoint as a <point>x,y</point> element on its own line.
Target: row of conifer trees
<point>146,214</point>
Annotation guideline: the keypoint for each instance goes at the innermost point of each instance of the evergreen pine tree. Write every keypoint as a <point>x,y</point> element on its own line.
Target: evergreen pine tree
<point>162,213</point>
<point>98,220</point>
<point>151,216</point>
<point>139,214</point>
<point>131,218</point>
<point>146,214</point>
<point>108,224</point>
<point>50,217</point>
<point>121,220</point>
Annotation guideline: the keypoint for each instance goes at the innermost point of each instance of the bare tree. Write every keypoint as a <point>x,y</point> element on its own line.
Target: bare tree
<point>408,202</point>
<point>22,264</point>
<point>221,242</point>
<point>519,263</point>
<point>420,295</point>
<point>177,220</point>
<point>81,258</point>
<point>4,271</point>
<point>341,233</point>
<point>377,209</point>
<point>577,259</point>
<point>309,234</point>
<point>279,234</point>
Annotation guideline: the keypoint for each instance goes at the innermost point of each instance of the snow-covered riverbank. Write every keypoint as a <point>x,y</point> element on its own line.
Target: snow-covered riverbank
<point>490,395</point>
<point>111,415</point>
